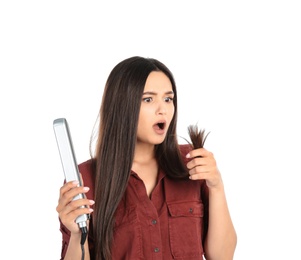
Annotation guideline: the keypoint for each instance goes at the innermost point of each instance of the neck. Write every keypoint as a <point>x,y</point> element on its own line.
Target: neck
<point>144,153</point>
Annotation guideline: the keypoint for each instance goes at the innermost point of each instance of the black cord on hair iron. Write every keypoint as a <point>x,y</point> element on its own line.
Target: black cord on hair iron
<point>84,235</point>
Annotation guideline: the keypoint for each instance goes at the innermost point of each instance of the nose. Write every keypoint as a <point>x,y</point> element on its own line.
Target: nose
<point>162,108</point>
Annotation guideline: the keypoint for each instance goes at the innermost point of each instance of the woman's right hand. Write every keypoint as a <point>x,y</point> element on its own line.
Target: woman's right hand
<point>69,209</point>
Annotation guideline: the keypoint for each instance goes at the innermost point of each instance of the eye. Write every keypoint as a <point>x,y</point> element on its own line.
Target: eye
<point>147,100</point>
<point>168,99</point>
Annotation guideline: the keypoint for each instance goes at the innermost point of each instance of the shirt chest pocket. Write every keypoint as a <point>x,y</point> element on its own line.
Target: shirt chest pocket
<point>185,225</point>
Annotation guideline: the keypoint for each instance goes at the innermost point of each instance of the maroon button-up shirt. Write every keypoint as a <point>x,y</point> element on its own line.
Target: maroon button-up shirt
<point>171,224</point>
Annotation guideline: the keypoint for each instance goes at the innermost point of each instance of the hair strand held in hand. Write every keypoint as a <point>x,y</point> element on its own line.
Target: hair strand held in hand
<point>197,137</point>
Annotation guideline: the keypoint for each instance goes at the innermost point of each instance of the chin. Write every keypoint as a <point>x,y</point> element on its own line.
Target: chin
<point>160,141</point>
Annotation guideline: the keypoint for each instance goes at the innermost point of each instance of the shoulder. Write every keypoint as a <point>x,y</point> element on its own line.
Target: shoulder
<point>86,167</point>
<point>87,170</point>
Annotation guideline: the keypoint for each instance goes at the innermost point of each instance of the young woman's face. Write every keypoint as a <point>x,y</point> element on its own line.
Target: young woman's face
<point>157,109</point>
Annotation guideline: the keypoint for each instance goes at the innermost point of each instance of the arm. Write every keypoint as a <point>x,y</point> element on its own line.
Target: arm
<point>221,238</point>
<point>74,249</point>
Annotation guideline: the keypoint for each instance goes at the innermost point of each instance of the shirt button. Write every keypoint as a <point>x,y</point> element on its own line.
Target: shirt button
<point>154,221</point>
<point>190,210</point>
<point>156,250</point>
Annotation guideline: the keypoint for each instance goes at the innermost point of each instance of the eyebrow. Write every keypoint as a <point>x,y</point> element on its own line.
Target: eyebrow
<point>154,93</point>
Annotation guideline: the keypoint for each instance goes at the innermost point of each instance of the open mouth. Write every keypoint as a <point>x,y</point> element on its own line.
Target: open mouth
<point>161,125</point>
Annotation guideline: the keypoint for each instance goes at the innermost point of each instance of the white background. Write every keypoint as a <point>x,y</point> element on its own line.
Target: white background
<point>237,66</point>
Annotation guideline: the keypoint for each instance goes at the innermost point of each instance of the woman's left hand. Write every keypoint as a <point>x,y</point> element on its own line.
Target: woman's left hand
<point>202,166</point>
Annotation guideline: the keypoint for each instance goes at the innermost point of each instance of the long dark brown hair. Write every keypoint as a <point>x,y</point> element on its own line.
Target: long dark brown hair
<point>116,140</point>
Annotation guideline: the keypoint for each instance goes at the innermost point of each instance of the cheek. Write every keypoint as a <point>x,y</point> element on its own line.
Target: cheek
<point>146,112</point>
<point>143,120</point>
<point>143,128</point>
<point>171,112</point>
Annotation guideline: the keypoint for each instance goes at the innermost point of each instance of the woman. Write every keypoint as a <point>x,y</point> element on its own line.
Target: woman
<point>154,198</point>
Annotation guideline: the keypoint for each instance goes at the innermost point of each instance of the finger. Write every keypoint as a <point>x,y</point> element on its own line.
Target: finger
<point>199,176</point>
<point>67,197</point>
<point>62,201</point>
<point>71,184</point>
<point>68,186</point>
<point>197,161</point>
<point>79,203</point>
<point>199,169</point>
<point>76,208</point>
<point>70,217</point>
<point>201,152</point>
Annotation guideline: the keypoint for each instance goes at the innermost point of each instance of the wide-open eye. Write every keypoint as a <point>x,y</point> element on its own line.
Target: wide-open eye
<point>169,99</point>
<point>147,100</point>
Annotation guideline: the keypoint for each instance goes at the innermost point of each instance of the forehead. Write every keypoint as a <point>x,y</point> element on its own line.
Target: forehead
<point>157,81</point>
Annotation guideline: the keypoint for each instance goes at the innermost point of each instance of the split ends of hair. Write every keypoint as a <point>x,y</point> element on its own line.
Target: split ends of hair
<point>197,136</point>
